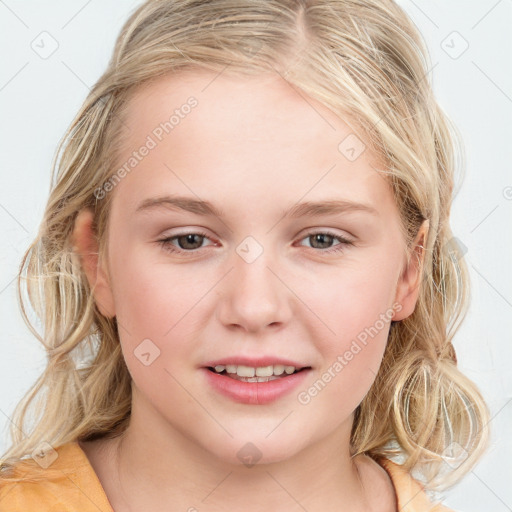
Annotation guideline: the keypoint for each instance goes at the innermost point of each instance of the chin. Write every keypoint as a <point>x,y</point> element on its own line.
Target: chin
<point>256,450</point>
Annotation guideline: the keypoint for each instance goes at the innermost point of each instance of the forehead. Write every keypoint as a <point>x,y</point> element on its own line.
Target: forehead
<point>213,133</point>
<point>233,111</point>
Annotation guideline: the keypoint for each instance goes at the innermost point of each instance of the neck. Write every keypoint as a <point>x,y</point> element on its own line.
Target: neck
<point>153,466</point>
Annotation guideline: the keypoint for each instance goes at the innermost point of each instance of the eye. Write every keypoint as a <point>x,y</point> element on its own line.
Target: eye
<point>325,238</point>
<point>187,242</point>
<point>192,241</point>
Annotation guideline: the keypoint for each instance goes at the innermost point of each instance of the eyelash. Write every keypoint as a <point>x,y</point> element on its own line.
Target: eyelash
<point>167,245</point>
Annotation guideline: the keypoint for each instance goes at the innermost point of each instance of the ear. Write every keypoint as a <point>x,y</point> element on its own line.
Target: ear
<point>408,286</point>
<point>85,246</point>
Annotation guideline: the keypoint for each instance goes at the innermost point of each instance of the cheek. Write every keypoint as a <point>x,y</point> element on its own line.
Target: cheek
<point>155,313</point>
<point>350,363</point>
<point>358,310</point>
<point>151,302</point>
<point>355,298</point>
<point>151,294</point>
<point>161,310</point>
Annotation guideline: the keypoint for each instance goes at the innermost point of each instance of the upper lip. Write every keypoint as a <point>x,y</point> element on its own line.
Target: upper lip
<point>257,362</point>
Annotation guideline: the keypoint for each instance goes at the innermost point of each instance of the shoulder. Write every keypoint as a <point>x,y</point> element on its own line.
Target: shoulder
<point>63,482</point>
<point>411,495</point>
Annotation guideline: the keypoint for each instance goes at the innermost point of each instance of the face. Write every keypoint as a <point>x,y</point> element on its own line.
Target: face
<point>258,273</point>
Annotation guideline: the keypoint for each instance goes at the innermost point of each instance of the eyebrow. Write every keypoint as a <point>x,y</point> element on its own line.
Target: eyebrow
<point>205,208</point>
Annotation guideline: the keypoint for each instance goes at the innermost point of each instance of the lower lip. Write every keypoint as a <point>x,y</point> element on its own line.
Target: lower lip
<point>255,393</point>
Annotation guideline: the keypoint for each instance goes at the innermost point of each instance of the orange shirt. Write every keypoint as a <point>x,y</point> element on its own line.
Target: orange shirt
<point>78,489</point>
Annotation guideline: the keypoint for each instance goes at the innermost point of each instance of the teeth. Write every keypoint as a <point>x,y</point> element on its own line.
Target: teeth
<point>278,369</point>
<point>256,379</point>
<point>262,371</point>
<point>245,371</point>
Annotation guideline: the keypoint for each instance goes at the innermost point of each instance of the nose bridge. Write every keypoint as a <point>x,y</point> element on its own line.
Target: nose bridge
<point>254,297</point>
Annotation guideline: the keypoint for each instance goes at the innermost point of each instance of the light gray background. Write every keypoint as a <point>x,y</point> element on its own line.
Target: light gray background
<point>40,93</point>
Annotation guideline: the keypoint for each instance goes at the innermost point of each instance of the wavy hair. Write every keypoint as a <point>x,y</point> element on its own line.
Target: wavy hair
<point>365,61</point>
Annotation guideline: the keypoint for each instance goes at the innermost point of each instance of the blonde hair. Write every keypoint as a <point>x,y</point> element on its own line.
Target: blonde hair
<point>364,60</point>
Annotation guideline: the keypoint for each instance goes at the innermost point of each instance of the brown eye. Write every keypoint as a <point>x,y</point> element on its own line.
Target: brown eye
<point>322,240</point>
<point>183,243</point>
<point>190,241</point>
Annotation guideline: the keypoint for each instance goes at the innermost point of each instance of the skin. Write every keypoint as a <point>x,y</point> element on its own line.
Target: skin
<point>253,147</point>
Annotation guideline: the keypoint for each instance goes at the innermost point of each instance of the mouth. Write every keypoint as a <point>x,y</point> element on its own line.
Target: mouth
<point>256,374</point>
<point>254,385</point>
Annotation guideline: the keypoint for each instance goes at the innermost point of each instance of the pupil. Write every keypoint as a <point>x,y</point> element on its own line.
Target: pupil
<point>188,239</point>
<point>320,237</point>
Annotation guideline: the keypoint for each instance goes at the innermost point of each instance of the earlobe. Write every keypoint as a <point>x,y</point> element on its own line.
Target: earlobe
<point>408,286</point>
<point>85,246</point>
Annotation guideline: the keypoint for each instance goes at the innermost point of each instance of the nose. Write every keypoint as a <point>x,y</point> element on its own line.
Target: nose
<point>254,295</point>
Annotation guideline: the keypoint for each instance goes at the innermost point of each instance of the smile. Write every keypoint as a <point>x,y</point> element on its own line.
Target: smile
<point>247,385</point>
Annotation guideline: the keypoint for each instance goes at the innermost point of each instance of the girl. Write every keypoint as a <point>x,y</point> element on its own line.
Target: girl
<point>246,274</point>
